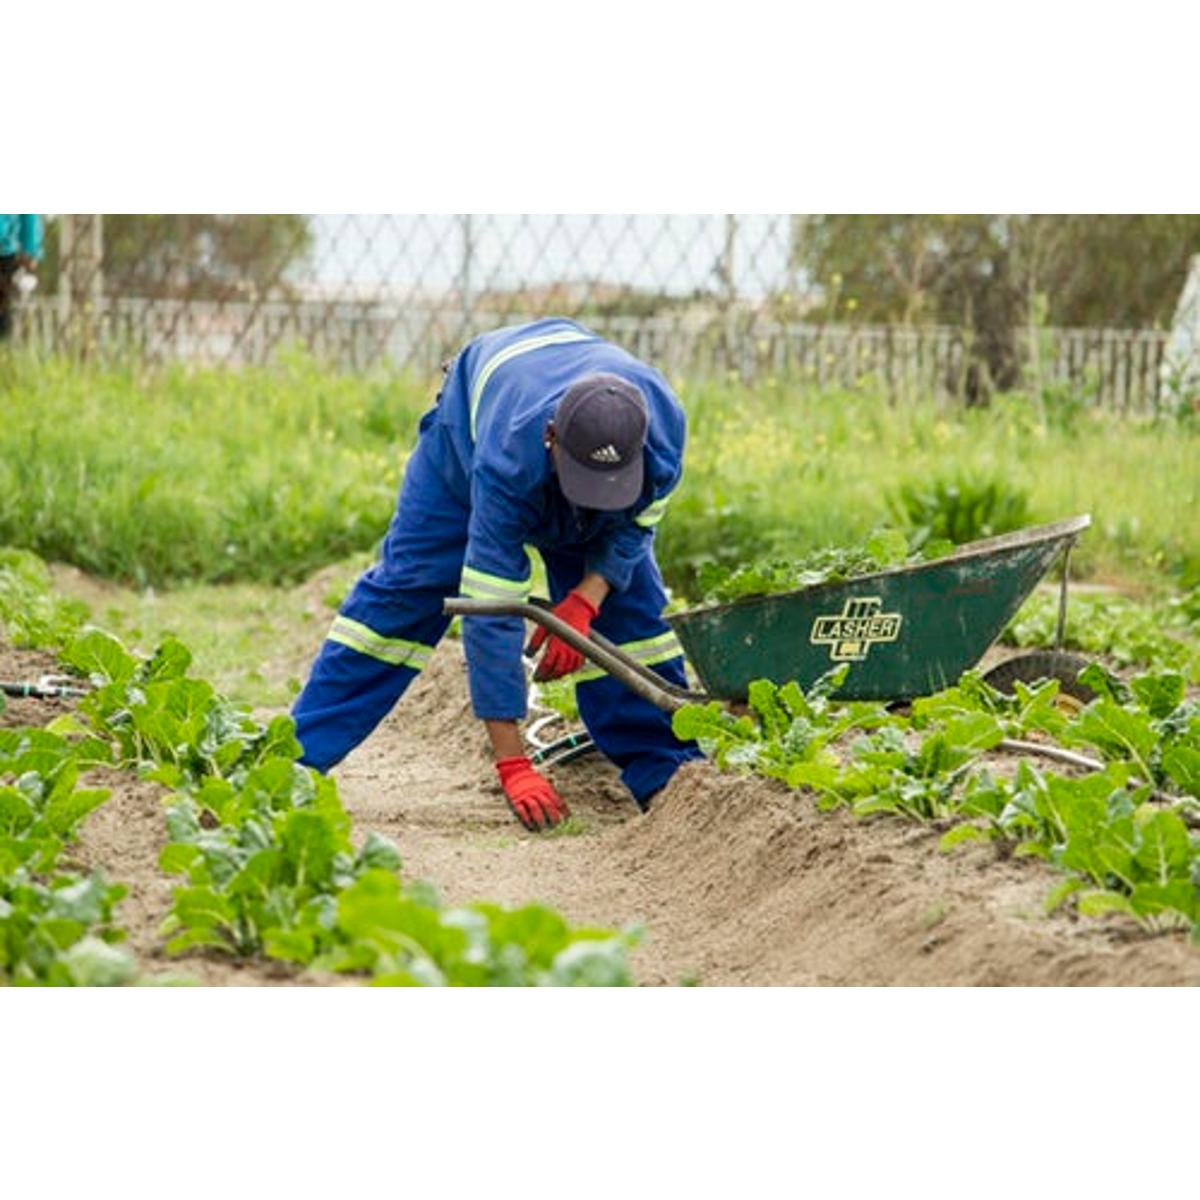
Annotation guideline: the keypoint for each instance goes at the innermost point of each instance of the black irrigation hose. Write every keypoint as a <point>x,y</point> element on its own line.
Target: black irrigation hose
<point>46,688</point>
<point>566,749</point>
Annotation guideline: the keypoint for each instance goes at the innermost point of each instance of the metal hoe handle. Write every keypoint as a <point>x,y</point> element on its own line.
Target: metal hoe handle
<point>596,649</point>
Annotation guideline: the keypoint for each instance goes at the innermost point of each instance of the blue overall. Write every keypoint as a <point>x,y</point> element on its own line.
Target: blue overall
<point>479,488</point>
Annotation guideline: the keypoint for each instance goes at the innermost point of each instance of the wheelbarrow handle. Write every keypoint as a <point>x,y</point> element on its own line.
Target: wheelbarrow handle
<point>596,649</point>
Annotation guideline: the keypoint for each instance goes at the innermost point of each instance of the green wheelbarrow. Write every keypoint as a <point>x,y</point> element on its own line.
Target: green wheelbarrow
<point>904,632</point>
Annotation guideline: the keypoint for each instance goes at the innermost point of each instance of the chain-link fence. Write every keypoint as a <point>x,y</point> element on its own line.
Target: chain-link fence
<point>693,294</point>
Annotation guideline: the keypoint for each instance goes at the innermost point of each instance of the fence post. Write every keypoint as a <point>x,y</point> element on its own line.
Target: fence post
<point>80,280</point>
<point>464,274</point>
<point>728,289</point>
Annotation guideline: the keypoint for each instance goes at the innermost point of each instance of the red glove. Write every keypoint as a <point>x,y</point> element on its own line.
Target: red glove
<point>560,659</point>
<point>530,795</point>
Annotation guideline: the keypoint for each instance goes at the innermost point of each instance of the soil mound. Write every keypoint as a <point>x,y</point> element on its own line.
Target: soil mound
<point>735,880</point>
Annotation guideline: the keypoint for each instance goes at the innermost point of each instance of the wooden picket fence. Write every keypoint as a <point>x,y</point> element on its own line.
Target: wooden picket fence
<point>1118,369</point>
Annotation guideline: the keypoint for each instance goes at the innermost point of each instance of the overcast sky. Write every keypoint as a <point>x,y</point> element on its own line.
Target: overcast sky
<point>669,253</point>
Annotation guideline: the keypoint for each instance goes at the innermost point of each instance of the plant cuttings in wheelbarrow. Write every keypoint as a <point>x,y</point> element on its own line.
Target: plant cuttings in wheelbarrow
<point>832,564</point>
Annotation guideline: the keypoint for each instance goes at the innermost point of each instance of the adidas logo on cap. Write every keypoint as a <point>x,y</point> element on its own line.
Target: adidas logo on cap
<point>606,454</point>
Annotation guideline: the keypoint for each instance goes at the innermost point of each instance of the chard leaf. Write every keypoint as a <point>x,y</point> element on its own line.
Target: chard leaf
<point>290,945</point>
<point>183,821</point>
<point>1182,765</point>
<point>1165,848</point>
<point>374,909</point>
<point>378,851</point>
<point>974,732</point>
<point>219,798</point>
<point>1096,904</point>
<point>176,858</point>
<point>792,697</point>
<point>308,843</point>
<point>277,784</point>
<point>65,811</point>
<point>1116,732</point>
<point>92,962</point>
<point>591,964</point>
<point>62,932</point>
<point>170,661</point>
<point>279,740</point>
<point>85,900</point>
<point>764,700</point>
<point>1179,896</point>
<point>16,812</point>
<point>1060,894</point>
<point>1160,693</point>
<point>540,932</point>
<point>169,775</point>
<point>260,873</point>
<point>1031,849</point>
<point>202,936</point>
<point>66,726</point>
<point>819,775</point>
<point>961,834</point>
<point>100,656</point>
<point>694,722</point>
<point>202,908</point>
<point>1037,707</point>
<point>888,547</point>
<point>985,796</point>
<point>825,685</point>
<point>1104,683</point>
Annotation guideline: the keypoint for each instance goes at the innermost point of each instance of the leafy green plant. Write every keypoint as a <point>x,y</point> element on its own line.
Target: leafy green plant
<point>404,937</point>
<point>31,613</point>
<point>56,926</point>
<point>42,807</point>
<point>156,715</point>
<point>61,931</point>
<point>264,846</point>
<point>883,549</point>
<point>1122,849</point>
<point>1130,632</point>
<point>785,729</point>
<point>959,507</point>
<point>157,476</point>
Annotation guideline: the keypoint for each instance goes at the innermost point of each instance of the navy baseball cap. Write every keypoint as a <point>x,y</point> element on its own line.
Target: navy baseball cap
<point>600,427</point>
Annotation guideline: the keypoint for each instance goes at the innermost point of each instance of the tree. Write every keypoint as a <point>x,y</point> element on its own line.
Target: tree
<point>1120,270</point>
<point>910,269</point>
<point>995,274</point>
<point>195,256</point>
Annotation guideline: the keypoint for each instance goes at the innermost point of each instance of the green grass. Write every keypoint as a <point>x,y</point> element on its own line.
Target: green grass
<point>159,477</point>
<point>254,641</point>
<point>779,471</point>
<point>180,475</point>
<point>573,826</point>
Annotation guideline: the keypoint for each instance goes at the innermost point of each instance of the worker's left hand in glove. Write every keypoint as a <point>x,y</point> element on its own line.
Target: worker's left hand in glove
<point>560,659</point>
<point>531,796</point>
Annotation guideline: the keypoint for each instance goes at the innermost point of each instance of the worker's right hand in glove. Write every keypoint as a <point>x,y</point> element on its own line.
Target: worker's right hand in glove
<point>560,659</point>
<point>530,795</point>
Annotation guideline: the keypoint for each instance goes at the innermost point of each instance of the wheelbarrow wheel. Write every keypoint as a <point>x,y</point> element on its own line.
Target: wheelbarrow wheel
<point>1043,664</point>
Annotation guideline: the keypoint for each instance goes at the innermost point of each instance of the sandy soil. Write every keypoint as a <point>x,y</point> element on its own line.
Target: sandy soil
<point>735,880</point>
<point>27,666</point>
